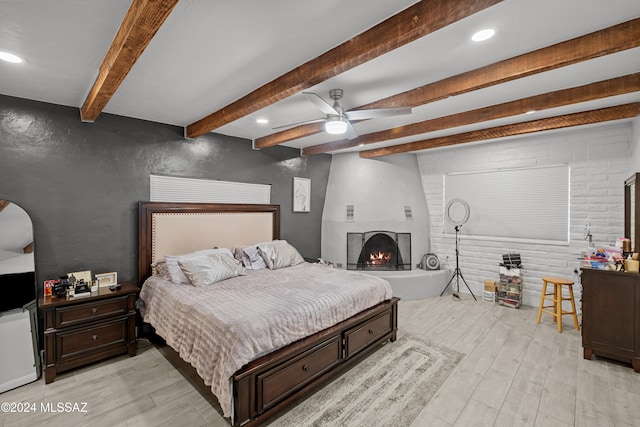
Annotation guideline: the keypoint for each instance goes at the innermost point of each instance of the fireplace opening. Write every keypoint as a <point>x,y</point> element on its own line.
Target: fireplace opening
<point>379,250</point>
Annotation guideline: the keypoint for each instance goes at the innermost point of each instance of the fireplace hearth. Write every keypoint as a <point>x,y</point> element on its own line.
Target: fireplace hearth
<point>379,250</point>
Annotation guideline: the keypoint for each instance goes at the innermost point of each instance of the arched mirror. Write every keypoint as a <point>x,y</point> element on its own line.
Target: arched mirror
<point>19,363</point>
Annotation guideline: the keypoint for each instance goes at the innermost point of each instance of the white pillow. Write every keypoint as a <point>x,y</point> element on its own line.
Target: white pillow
<point>211,268</point>
<point>279,254</point>
<point>177,276</point>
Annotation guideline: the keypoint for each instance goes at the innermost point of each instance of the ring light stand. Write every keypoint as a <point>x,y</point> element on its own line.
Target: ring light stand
<point>457,223</point>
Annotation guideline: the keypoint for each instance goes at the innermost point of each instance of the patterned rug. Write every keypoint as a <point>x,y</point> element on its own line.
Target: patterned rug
<point>388,388</point>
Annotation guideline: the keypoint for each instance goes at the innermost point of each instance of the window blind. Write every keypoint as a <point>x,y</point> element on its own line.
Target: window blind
<point>513,204</point>
<point>174,189</point>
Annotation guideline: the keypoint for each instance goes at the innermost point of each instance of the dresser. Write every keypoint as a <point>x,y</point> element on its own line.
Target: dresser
<point>82,330</point>
<point>611,315</point>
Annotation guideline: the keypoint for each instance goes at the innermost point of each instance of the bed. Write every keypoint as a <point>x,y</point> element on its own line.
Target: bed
<point>257,358</point>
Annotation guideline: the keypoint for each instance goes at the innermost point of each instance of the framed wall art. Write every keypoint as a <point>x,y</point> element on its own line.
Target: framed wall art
<point>301,194</point>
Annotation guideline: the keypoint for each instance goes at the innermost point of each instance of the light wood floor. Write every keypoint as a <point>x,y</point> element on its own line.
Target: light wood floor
<point>515,373</point>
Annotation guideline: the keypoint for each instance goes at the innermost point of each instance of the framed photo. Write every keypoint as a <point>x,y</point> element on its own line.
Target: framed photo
<point>80,275</point>
<point>107,279</point>
<point>301,194</point>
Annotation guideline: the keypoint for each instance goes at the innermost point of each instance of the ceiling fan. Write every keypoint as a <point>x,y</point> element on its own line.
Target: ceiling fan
<point>337,120</point>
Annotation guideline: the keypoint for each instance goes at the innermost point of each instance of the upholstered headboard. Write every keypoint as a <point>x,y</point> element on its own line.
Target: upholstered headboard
<point>179,228</point>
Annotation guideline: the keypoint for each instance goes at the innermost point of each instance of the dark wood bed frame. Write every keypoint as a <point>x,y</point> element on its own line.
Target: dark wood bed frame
<point>268,385</point>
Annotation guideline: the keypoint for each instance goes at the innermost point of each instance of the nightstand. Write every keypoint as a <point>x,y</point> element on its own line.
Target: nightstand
<point>82,330</point>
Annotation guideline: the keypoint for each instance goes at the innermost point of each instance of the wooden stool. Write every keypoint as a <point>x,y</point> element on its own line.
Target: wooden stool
<point>557,298</point>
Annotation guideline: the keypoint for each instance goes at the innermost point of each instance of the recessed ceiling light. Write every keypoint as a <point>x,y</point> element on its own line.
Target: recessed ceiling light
<point>9,57</point>
<point>483,35</point>
<point>262,121</point>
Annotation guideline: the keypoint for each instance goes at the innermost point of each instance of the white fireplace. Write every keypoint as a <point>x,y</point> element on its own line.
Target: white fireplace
<point>385,194</point>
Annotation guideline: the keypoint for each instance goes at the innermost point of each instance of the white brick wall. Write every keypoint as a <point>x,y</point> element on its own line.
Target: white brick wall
<point>599,159</point>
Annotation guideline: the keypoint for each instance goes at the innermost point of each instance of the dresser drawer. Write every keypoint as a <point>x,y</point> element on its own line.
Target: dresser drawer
<point>278,383</point>
<point>360,337</point>
<point>90,311</point>
<point>103,338</point>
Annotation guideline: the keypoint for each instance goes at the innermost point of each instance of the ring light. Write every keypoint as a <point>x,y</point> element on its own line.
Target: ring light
<point>454,214</point>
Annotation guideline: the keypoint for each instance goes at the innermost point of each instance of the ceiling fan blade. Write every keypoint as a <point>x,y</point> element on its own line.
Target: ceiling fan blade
<point>306,122</point>
<point>376,113</point>
<point>323,105</point>
<point>351,132</point>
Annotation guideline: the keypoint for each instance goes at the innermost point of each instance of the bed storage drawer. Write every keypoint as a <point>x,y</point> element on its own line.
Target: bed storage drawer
<point>90,311</point>
<point>360,337</point>
<point>276,384</point>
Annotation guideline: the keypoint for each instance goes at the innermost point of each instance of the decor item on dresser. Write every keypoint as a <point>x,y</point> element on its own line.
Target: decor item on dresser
<point>611,315</point>
<point>283,333</point>
<point>89,329</point>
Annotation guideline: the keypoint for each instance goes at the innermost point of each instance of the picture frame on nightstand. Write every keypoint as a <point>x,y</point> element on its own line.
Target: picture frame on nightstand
<point>106,280</point>
<point>80,275</point>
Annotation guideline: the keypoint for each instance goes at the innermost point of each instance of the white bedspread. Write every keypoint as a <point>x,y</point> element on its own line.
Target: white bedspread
<point>221,327</point>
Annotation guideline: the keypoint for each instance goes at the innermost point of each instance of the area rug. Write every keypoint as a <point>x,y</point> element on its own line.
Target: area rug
<point>388,388</point>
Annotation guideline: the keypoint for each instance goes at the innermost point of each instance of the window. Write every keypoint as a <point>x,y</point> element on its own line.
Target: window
<point>513,204</point>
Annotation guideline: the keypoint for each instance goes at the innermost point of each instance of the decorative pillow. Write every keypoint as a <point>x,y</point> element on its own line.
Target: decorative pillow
<point>250,257</point>
<point>176,273</point>
<point>210,268</point>
<point>160,268</point>
<point>279,254</point>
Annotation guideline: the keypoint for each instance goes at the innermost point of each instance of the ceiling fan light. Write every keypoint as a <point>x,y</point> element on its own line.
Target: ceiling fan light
<point>9,57</point>
<point>335,125</point>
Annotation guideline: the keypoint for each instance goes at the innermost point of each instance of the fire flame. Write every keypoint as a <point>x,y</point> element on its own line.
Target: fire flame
<point>379,257</point>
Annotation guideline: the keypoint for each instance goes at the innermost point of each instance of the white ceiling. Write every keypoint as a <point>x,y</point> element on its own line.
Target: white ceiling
<point>209,53</point>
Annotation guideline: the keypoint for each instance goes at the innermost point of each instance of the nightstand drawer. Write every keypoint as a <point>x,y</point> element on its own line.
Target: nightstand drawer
<point>372,330</point>
<point>90,311</point>
<point>98,338</point>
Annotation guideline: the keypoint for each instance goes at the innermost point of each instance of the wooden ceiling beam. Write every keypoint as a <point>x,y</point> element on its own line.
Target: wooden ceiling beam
<point>603,42</point>
<point>415,22</point>
<point>143,19</point>
<point>288,135</point>
<point>28,249</point>
<point>603,89</point>
<point>568,120</point>
<point>593,45</point>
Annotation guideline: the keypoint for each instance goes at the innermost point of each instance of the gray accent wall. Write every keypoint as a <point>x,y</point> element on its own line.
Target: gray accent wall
<point>81,182</point>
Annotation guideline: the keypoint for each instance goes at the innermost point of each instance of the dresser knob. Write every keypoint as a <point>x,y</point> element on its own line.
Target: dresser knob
<point>94,337</point>
<point>94,310</point>
<point>370,332</point>
<point>305,368</point>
